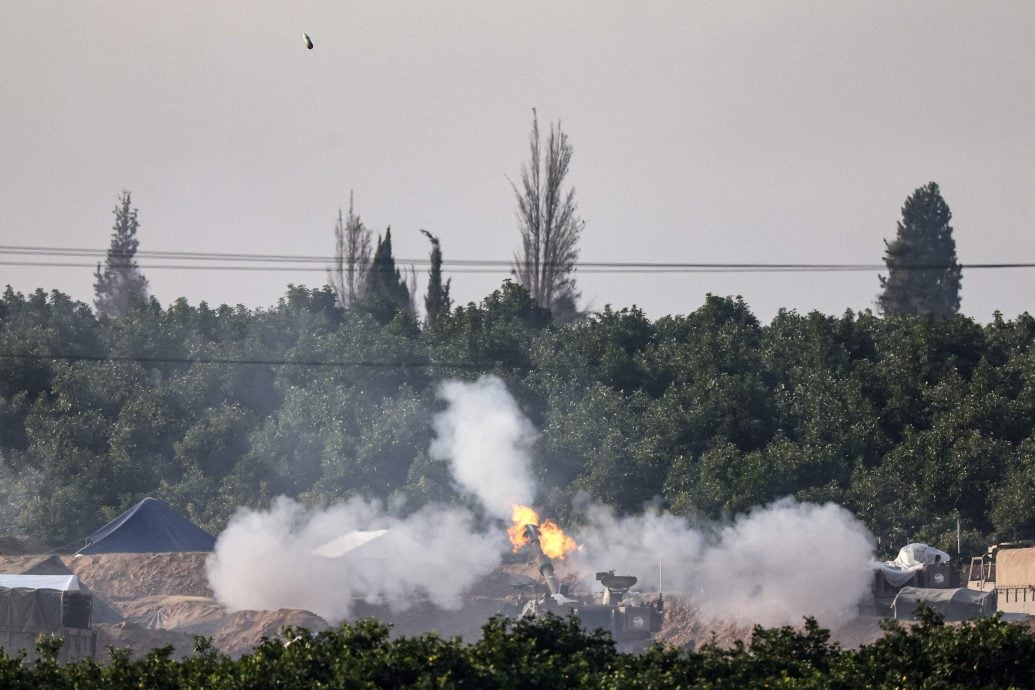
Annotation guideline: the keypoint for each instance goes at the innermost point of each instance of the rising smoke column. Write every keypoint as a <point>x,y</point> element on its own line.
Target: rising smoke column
<point>279,558</point>
<point>771,566</point>
<point>486,440</point>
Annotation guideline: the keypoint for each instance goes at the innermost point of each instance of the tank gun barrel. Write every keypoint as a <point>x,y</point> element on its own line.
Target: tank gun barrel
<point>543,561</point>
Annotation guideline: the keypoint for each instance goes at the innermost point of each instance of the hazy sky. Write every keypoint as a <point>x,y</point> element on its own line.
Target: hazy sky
<point>702,132</point>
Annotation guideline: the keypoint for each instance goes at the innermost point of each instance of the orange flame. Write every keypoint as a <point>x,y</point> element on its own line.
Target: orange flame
<point>554,542</point>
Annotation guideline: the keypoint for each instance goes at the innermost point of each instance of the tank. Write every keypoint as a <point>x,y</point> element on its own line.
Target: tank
<point>630,617</point>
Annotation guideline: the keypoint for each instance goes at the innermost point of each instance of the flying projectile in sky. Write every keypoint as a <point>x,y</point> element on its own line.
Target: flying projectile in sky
<point>308,41</point>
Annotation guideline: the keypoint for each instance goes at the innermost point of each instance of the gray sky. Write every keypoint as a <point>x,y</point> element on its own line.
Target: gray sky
<point>722,132</point>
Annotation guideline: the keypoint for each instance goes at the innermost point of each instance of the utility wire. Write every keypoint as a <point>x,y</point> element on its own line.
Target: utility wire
<point>582,267</point>
<point>241,262</point>
<point>232,360</point>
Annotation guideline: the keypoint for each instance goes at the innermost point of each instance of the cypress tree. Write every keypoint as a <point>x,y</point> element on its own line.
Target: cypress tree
<point>437,302</point>
<point>121,281</point>
<point>923,273</point>
<point>385,293</point>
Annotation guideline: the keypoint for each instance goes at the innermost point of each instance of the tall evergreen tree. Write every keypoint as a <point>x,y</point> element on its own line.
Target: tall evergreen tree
<point>121,281</point>
<point>437,302</point>
<point>385,293</point>
<point>923,273</point>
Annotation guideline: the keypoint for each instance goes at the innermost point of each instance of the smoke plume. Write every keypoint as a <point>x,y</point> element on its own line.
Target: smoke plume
<point>486,440</point>
<point>771,566</point>
<point>325,560</point>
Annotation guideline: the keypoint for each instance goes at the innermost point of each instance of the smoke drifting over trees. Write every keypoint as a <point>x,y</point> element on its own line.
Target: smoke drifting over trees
<point>712,412</point>
<point>277,558</point>
<point>487,442</point>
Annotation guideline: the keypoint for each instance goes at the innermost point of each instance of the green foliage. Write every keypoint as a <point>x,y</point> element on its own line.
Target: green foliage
<point>923,273</point>
<point>385,292</point>
<point>911,422</point>
<point>120,283</point>
<point>437,302</point>
<point>553,652</point>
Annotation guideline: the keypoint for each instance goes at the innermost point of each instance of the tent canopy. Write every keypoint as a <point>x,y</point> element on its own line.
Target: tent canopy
<point>954,604</point>
<point>348,542</point>
<point>62,583</point>
<point>150,526</point>
<point>50,564</point>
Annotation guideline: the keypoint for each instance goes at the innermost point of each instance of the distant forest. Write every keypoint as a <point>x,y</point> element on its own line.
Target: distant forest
<point>911,422</point>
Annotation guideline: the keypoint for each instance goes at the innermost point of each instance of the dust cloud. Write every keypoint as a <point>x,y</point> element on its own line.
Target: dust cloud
<point>276,558</point>
<point>325,560</point>
<point>771,566</point>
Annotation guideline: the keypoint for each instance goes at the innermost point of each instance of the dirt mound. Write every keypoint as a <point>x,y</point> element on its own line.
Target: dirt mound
<point>133,575</point>
<point>189,614</point>
<point>858,632</point>
<point>489,596</point>
<point>165,599</point>
<point>240,631</point>
<point>233,632</point>
<point>683,626</point>
<point>422,616</point>
<point>140,640</point>
<point>18,546</point>
<point>37,564</point>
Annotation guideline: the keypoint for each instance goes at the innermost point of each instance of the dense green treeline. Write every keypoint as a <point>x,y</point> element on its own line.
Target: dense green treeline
<point>556,653</point>
<point>912,422</point>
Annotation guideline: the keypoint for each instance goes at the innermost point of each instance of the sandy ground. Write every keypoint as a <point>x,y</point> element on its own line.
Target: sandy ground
<point>159,599</point>
<point>118,576</point>
<point>164,599</point>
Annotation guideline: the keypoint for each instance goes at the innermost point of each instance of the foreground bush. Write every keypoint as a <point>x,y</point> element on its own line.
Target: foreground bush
<point>556,653</point>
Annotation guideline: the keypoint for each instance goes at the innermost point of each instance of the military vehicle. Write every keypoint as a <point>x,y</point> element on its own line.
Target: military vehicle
<point>1008,569</point>
<point>630,617</point>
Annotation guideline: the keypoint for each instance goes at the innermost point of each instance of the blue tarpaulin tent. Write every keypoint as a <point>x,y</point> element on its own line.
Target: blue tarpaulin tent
<point>150,526</point>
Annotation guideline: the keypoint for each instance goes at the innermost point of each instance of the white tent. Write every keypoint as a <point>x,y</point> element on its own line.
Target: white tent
<point>348,542</point>
<point>62,583</point>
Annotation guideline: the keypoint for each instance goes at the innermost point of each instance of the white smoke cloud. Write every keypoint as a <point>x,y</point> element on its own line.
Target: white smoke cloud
<point>771,566</point>
<point>272,559</point>
<point>269,560</point>
<point>486,440</point>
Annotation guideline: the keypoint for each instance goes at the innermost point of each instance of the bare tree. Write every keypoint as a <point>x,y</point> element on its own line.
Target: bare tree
<point>549,224</point>
<point>353,247</point>
<point>410,279</point>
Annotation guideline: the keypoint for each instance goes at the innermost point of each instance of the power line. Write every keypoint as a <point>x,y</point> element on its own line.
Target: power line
<point>616,267</point>
<point>259,362</point>
<point>294,263</point>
